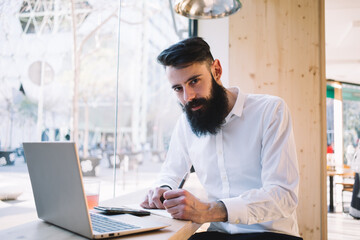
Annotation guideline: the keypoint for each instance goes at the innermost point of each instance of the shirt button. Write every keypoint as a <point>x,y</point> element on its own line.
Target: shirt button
<point>237,221</point>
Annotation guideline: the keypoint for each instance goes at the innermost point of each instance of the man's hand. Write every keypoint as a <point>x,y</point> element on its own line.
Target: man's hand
<point>183,205</point>
<point>154,198</point>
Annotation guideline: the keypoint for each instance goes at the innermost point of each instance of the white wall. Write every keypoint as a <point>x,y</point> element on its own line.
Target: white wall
<point>216,33</point>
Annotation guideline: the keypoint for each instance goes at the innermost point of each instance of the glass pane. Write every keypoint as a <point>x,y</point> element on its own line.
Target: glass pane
<point>330,127</point>
<point>41,75</point>
<point>330,124</point>
<point>351,115</point>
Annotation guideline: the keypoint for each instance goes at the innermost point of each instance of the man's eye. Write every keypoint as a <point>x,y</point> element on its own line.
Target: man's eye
<point>177,89</point>
<point>194,81</point>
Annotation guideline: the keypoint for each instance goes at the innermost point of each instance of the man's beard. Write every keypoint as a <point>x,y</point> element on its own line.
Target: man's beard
<point>209,118</point>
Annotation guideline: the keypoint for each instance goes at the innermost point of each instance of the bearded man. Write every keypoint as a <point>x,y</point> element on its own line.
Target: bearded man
<point>241,147</point>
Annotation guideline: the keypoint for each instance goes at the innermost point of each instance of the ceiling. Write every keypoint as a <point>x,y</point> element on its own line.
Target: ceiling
<point>342,38</point>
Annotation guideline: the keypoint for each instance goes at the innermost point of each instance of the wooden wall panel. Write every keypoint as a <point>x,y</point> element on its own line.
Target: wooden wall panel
<point>277,47</point>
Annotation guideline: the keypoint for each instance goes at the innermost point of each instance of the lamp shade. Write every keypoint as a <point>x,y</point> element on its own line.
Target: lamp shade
<point>206,9</point>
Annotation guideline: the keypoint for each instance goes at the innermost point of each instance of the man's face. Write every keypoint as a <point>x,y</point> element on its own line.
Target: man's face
<point>191,82</point>
<point>202,98</point>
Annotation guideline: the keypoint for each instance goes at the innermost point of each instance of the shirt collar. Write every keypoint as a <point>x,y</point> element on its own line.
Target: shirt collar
<point>239,103</point>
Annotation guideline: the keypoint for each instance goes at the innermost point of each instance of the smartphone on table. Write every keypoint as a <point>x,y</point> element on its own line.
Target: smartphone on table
<point>121,210</point>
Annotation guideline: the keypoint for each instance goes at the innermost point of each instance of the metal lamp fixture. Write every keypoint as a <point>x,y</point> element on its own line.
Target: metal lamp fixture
<point>206,9</point>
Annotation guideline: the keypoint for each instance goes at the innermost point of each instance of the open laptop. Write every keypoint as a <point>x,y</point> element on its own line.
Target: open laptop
<point>56,180</point>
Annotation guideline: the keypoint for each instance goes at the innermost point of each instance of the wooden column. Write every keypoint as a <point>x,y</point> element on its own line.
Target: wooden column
<point>277,48</point>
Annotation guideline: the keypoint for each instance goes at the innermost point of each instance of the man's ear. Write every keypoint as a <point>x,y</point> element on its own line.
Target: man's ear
<point>217,70</point>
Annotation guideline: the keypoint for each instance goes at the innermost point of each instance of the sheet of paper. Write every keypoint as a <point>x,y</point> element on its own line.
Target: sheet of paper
<point>160,212</point>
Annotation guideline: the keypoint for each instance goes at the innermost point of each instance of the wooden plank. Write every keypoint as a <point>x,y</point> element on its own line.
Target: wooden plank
<point>38,229</point>
<point>277,47</point>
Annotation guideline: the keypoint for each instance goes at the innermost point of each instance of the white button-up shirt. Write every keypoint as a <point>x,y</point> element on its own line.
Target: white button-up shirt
<point>250,165</point>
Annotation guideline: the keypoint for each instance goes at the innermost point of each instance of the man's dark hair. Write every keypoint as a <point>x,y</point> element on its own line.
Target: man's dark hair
<point>186,52</point>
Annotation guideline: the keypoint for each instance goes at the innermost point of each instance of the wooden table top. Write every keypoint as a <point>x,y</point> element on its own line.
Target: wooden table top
<point>38,229</point>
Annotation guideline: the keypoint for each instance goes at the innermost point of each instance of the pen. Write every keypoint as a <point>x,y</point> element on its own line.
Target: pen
<point>183,180</point>
<point>162,199</point>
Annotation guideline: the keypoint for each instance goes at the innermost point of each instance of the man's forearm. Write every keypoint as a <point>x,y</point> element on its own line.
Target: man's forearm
<point>217,212</point>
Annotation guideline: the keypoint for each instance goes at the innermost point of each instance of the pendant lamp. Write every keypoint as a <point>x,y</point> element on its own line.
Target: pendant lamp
<point>206,9</point>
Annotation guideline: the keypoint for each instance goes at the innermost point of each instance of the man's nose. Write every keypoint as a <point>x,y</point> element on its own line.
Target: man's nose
<point>189,95</point>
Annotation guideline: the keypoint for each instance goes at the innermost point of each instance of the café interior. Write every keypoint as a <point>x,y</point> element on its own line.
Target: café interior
<point>86,71</point>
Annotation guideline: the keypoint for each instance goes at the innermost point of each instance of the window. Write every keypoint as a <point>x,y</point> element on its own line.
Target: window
<point>51,16</point>
<point>51,74</point>
<point>343,120</point>
<point>351,113</point>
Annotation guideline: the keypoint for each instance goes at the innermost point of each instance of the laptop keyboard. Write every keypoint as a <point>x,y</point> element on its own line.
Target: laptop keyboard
<point>104,224</point>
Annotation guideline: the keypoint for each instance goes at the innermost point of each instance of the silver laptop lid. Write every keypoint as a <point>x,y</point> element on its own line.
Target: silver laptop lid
<point>56,179</point>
